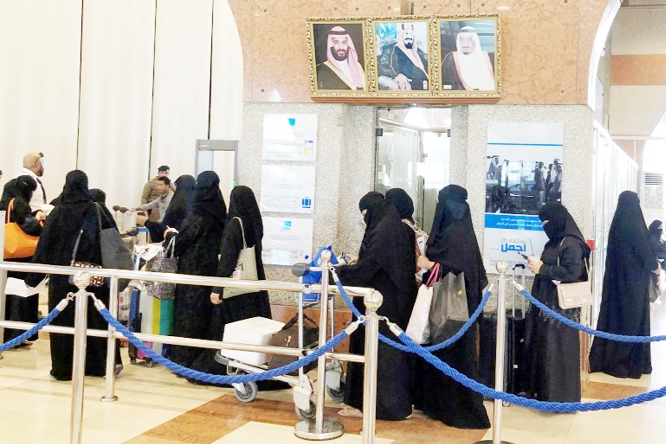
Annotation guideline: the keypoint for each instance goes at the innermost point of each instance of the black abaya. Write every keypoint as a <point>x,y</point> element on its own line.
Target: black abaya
<point>386,263</point>
<point>452,244</point>
<point>630,261</point>
<point>75,212</point>
<point>553,349</point>
<point>197,246</point>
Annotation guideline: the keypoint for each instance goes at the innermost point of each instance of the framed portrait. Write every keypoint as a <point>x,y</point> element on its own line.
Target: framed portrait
<point>401,51</point>
<point>338,60</point>
<point>469,56</point>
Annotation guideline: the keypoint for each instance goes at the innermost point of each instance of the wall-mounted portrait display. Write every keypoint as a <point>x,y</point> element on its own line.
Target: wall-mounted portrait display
<point>402,56</point>
<point>338,56</point>
<point>469,55</point>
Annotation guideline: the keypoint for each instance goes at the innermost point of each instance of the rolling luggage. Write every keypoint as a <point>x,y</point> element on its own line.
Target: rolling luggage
<point>515,365</point>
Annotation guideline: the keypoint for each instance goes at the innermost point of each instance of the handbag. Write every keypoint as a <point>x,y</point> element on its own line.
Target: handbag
<point>115,253</point>
<point>164,262</point>
<point>418,327</point>
<point>575,294</point>
<point>448,310</point>
<point>246,268</point>
<point>654,292</point>
<point>95,281</point>
<point>288,337</point>
<point>18,244</point>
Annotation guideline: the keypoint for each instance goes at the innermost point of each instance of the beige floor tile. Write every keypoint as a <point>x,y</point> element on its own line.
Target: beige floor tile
<point>604,430</point>
<point>533,421</point>
<point>281,435</point>
<point>88,436</point>
<point>16,431</point>
<point>524,437</point>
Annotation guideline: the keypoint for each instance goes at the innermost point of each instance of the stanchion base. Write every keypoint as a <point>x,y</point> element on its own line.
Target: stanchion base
<point>330,429</point>
<point>111,399</point>
<point>490,441</point>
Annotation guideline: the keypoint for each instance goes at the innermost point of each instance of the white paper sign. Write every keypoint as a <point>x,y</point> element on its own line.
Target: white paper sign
<point>290,137</point>
<point>287,189</point>
<point>286,240</point>
<point>17,287</point>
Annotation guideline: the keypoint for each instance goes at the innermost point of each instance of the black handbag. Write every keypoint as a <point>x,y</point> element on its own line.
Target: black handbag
<point>288,337</point>
<point>164,262</point>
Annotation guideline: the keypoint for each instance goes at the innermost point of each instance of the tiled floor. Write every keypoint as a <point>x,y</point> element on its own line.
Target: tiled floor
<point>156,407</point>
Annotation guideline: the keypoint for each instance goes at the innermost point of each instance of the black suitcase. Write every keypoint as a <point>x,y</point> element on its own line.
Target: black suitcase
<point>515,363</point>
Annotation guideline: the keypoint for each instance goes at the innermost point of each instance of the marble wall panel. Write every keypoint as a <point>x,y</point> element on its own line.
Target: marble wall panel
<point>546,45</point>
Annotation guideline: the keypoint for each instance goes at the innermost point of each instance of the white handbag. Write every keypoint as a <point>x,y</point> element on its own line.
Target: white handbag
<point>246,268</point>
<point>576,294</point>
<point>418,328</point>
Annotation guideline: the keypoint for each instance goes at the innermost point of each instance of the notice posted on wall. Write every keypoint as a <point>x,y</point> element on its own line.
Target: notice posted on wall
<point>524,168</point>
<point>287,189</point>
<point>290,137</point>
<point>286,240</point>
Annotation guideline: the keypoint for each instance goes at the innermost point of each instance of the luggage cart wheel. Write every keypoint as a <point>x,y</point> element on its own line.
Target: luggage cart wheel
<point>310,413</point>
<point>250,392</point>
<point>506,404</point>
<point>150,363</point>
<point>337,395</point>
<point>133,361</point>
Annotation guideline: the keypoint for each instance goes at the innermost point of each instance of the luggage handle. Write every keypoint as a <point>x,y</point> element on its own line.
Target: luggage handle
<point>293,321</point>
<point>513,293</point>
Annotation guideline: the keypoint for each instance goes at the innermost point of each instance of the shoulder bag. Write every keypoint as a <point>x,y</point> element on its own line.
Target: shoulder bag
<point>246,268</point>
<point>418,327</point>
<point>449,310</point>
<point>18,244</point>
<point>288,337</point>
<point>115,253</point>
<point>576,294</point>
<point>95,281</point>
<point>164,262</point>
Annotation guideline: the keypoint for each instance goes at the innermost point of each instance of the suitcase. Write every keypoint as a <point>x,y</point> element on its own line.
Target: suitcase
<point>515,364</point>
<point>148,315</point>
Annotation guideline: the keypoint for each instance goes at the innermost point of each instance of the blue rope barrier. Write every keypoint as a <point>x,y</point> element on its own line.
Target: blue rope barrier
<point>554,407</point>
<point>602,334</point>
<point>38,326</point>
<point>432,348</point>
<point>220,379</point>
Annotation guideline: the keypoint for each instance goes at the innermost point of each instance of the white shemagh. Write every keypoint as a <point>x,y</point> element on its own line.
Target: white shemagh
<point>474,69</point>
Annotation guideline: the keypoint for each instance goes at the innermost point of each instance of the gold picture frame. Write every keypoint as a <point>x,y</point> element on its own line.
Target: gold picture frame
<point>401,50</point>
<point>337,50</point>
<point>469,56</point>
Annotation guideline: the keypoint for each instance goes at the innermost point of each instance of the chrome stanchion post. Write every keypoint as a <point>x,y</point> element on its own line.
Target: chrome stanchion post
<point>321,429</point>
<point>372,301</point>
<point>109,395</point>
<point>81,280</point>
<point>500,350</point>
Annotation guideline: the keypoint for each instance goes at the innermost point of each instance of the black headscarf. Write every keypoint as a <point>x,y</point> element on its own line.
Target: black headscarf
<point>655,231</point>
<point>208,201</point>
<point>402,202</point>
<point>243,204</point>
<point>76,188</point>
<point>98,195</point>
<point>20,188</point>
<point>181,202</point>
<point>560,223</point>
<point>384,240</point>
<point>452,241</point>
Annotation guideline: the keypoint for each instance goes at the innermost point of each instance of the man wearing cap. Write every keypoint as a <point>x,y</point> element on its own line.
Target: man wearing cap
<point>33,166</point>
<point>152,190</point>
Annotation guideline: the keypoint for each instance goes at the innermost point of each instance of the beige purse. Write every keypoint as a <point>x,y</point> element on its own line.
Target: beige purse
<point>576,294</point>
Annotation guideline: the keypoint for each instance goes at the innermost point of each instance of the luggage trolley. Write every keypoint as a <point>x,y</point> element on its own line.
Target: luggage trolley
<point>238,362</point>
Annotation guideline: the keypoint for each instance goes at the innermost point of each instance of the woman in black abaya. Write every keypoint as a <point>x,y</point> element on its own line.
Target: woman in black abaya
<point>197,246</point>
<point>17,308</point>
<point>243,205</point>
<point>655,230</point>
<point>386,263</point>
<point>553,349</point>
<point>75,212</point>
<point>630,263</point>
<point>177,209</point>
<point>452,244</point>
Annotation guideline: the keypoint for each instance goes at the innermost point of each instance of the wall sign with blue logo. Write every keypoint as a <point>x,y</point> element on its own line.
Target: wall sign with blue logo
<point>286,240</point>
<point>287,189</point>
<point>523,172</point>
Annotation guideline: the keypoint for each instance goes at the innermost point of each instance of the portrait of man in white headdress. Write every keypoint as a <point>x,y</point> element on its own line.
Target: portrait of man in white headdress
<point>339,64</point>
<point>468,67</point>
